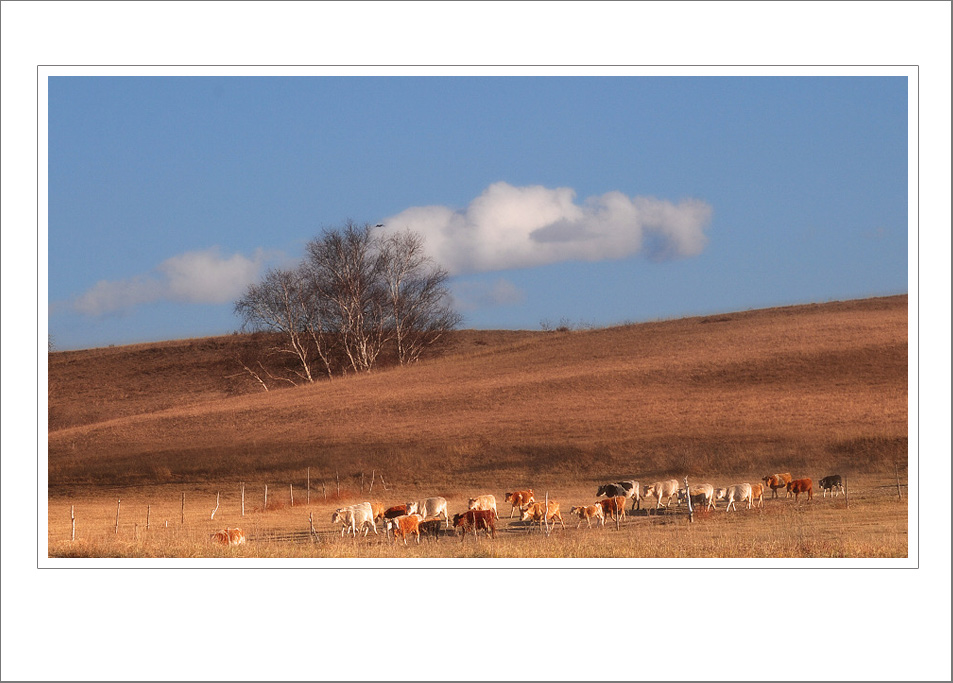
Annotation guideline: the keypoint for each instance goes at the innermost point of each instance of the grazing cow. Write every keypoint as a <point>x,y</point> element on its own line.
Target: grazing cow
<point>831,483</point>
<point>629,488</point>
<point>431,527</point>
<point>662,489</point>
<point>354,517</point>
<point>395,511</point>
<point>519,500</point>
<point>408,524</point>
<point>378,509</point>
<point>757,494</point>
<point>534,513</point>
<point>614,508</point>
<point>776,481</point>
<point>229,536</point>
<point>474,520</point>
<point>588,513</point>
<point>484,502</point>
<point>739,493</point>
<point>702,495</point>
<point>799,486</point>
<point>430,507</point>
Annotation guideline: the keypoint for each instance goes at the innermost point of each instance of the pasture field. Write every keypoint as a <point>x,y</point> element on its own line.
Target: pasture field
<point>812,390</point>
<point>874,526</point>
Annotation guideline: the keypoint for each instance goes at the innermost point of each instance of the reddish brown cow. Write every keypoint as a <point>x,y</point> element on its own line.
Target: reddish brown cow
<point>408,524</point>
<point>394,512</point>
<point>757,495</point>
<point>519,499</point>
<point>534,513</point>
<point>799,486</point>
<point>777,481</point>
<point>229,536</point>
<point>613,508</point>
<point>474,520</point>
<point>377,509</point>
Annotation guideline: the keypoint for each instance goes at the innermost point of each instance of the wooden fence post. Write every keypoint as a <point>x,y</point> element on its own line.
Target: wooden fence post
<point>72,520</point>
<point>183,508</point>
<point>217,496</point>
<point>545,515</point>
<point>118,504</point>
<point>265,504</point>
<point>688,495</point>
<point>846,495</point>
<point>896,470</point>
<point>309,486</point>
<point>243,499</point>
<point>324,491</point>
<point>311,524</point>
<point>362,482</point>
<point>292,487</point>
<point>148,514</point>
<point>372,482</point>
<point>338,480</point>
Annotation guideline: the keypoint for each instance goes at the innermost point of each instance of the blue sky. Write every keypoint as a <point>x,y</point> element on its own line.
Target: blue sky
<point>592,200</point>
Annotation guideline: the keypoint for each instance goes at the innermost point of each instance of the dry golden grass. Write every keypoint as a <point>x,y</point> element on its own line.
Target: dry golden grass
<point>809,389</point>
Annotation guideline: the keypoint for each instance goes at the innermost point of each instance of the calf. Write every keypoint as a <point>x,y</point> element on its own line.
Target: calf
<point>588,513</point>
<point>484,502</point>
<point>408,524</point>
<point>534,513</point>
<point>777,481</point>
<point>519,500</point>
<point>474,520</point>
<point>229,536</point>
<point>831,483</point>
<point>757,494</point>
<point>701,495</point>
<point>614,508</point>
<point>799,486</point>
<point>431,528</point>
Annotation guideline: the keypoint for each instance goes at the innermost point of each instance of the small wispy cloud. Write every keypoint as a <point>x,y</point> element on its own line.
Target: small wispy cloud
<point>468,295</point>
<point>520,227</point>
<point>205,277</point>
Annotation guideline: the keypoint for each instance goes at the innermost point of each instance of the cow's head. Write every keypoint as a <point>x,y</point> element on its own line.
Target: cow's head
<point>530,511</point>
<point>337,516</point>
<point>459,518</point>
<point>603,490</point>
<point>411,508</point>
<point>471,503</point>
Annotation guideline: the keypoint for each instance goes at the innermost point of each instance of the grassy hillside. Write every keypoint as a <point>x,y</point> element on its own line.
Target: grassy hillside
<point>801,388</point>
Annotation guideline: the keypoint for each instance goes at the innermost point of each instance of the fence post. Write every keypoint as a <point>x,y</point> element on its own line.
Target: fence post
<point>292,487</point>
<point>309,486</point>
<point>183,508</point>
<point>148,514</point>
<point>72,520</point>
<point>265,504</point>
<point>338,480</point>
<point>545,515</point>
<point>243,499</point>
<point>846,495</point>
<point>217,496</point>
<point>362,482</point>
<point>118,504</point>
<point>896,470</point>
<point>372,482</point>
<point>688,495</point>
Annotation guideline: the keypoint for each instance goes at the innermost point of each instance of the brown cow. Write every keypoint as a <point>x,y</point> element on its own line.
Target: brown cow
<point>799,486</point>
<point>431,527</point>
<point>519,499</point>
<point>408,524</point>
<point>474,520</point>
<point>777,481</point>
<point>613,508</point>
<point>757,494</point>
<point>229,536</point>
<point>396,511</point>
<point>534,513</point>
<point>377,509</point>
<point>588,513</point>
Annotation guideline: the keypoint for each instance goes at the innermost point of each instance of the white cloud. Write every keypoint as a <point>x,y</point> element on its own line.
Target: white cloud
<point>520,227</point>
<point>204,277</point>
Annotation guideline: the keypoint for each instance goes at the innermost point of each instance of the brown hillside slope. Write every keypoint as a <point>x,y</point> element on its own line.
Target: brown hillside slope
<point>802,388</point>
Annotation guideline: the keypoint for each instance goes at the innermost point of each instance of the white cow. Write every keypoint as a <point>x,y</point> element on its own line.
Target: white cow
<point>662,489</point>
<point>740,493</point>
<point>484,502</point>
<point>430,507</point>
<point>354,517</point>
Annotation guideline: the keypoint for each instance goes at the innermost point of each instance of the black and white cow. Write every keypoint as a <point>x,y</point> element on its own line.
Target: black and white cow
<point>627,489</point>
<point>832,484</point>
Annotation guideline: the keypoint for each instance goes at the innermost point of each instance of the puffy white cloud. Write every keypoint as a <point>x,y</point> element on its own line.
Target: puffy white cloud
<point>204,277</point>
<point>519,227</point>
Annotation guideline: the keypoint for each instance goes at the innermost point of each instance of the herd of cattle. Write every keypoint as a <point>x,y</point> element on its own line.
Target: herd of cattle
<point>426,517</point>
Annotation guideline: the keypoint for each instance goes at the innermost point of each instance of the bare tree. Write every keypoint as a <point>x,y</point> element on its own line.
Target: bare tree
<point>417,297</point>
